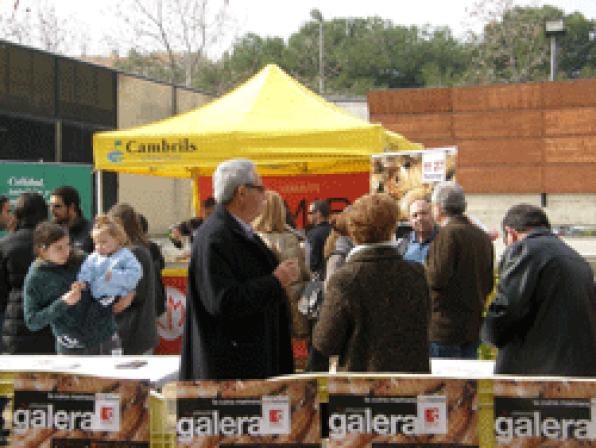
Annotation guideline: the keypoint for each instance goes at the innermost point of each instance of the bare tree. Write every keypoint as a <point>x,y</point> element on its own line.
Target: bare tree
<point>184,30</point>
<point>15,24</point>
<point>36,23</point>
<point>52,32</point>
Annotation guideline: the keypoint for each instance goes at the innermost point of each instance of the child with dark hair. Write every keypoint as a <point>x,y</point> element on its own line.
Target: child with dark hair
<point>54,298</point>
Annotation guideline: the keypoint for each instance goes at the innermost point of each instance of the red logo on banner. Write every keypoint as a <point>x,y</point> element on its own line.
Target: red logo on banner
<point>431,415</point>
<point>275,415</point>
<point>106,413</point>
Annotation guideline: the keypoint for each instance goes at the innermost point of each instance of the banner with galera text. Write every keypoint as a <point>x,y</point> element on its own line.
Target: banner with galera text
<point>549,412</point>
<point>251,413</point>
<point>74,411</point>
<point>402,411</point>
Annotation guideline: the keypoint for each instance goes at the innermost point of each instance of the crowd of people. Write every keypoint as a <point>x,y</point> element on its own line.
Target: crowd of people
<point>72,286</point>
<point>389,302</point>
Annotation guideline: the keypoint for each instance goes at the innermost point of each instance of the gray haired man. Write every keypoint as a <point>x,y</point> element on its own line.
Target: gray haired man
<point>460,275</point>
<point>237,321</point>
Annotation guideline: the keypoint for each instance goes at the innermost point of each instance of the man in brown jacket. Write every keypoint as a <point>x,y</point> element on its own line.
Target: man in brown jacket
<point>460,275</point>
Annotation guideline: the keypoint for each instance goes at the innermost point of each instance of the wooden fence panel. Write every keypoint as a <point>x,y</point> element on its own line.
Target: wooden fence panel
<point>500,179</point>
<point>497,124</point>
<point>570,150</point>
<point>569,178</point>
<point>497,97</point>
<point>416,126</point>
<point>569,93</point>
<point>510,151</point>
<point>576,121</point>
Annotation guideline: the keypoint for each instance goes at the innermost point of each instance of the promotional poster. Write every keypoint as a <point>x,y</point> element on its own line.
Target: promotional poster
<point>400,173</point>
<point>541,413</point>
<point>6,388</point>
<point>68,411</point>
<point>402,411</point>
<point>263,413</point>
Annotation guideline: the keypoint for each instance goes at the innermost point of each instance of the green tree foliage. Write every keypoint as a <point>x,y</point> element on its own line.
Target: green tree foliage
<point>361,54</point>
<point>577,58</point>
<point>513,46</point>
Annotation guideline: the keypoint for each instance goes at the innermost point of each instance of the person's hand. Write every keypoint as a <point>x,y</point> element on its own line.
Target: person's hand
<point>81,286</point>
<point>72,296</point>
<point>108,275</point>
<point>123,303</point>
<point>287,271</point>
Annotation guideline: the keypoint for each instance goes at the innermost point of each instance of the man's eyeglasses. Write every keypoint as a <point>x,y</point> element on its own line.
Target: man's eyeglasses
<point>56,205</point>
<point>260,188</point>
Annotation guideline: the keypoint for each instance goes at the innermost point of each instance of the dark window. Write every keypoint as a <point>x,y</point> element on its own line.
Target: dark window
<point>77,143</point>
<point>27,140</point>
<point>86,93</point>
<point>26,81</point>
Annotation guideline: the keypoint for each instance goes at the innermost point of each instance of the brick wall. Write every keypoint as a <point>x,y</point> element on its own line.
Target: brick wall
<point>518,138</point>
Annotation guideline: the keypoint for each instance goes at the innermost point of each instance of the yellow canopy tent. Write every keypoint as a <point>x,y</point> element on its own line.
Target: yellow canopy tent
<point>271,119</point>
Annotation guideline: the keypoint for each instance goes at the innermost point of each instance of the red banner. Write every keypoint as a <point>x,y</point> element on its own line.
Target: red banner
<point>170,324</point>
<point>299,191</point>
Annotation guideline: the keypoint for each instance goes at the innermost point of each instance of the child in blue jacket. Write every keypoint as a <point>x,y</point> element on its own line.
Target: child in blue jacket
<point>111,271</point>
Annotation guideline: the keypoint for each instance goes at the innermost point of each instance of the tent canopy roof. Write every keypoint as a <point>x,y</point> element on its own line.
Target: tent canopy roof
<point>271,119</point>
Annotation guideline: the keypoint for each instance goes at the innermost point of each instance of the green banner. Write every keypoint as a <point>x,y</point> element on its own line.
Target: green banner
<point>43,178</point>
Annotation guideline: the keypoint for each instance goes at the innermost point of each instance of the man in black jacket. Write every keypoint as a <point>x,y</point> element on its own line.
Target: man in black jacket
<point>543,318</point>
<point>237,321</point>
<point>65,205</point>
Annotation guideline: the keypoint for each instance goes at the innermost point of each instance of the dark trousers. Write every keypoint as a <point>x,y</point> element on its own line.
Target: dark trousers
<point>317,362</point>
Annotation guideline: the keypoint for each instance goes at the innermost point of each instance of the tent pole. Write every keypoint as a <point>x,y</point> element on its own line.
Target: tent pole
<point>196,196</point>
<point>99,192</point>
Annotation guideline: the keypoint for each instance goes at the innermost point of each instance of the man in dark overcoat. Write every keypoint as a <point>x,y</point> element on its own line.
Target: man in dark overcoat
<point>237,320</point>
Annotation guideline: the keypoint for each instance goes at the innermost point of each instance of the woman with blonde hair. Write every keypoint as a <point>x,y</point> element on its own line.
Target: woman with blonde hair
<point>137,324</point>
<point>271,227</point>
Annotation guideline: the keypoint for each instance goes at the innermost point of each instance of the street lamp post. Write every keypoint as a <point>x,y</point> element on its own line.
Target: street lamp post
<point>316,15</point>
<point>553,29</point>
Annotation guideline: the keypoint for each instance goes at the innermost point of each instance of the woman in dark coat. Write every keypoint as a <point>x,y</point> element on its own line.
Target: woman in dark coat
<point>16,255</point>
<point>137,325</point>
<point>376,311</point>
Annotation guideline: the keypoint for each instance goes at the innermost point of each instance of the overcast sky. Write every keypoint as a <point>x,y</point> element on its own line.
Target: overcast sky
<point>281,18</point>
<point>284,17</point>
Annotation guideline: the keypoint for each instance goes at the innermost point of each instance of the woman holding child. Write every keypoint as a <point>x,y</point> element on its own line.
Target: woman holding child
<point>53,297</point>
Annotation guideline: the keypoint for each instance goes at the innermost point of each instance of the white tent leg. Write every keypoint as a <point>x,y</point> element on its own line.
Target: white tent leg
<point>99,192</point>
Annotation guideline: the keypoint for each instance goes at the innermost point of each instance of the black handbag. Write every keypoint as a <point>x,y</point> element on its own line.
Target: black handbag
<point>311,299</point>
